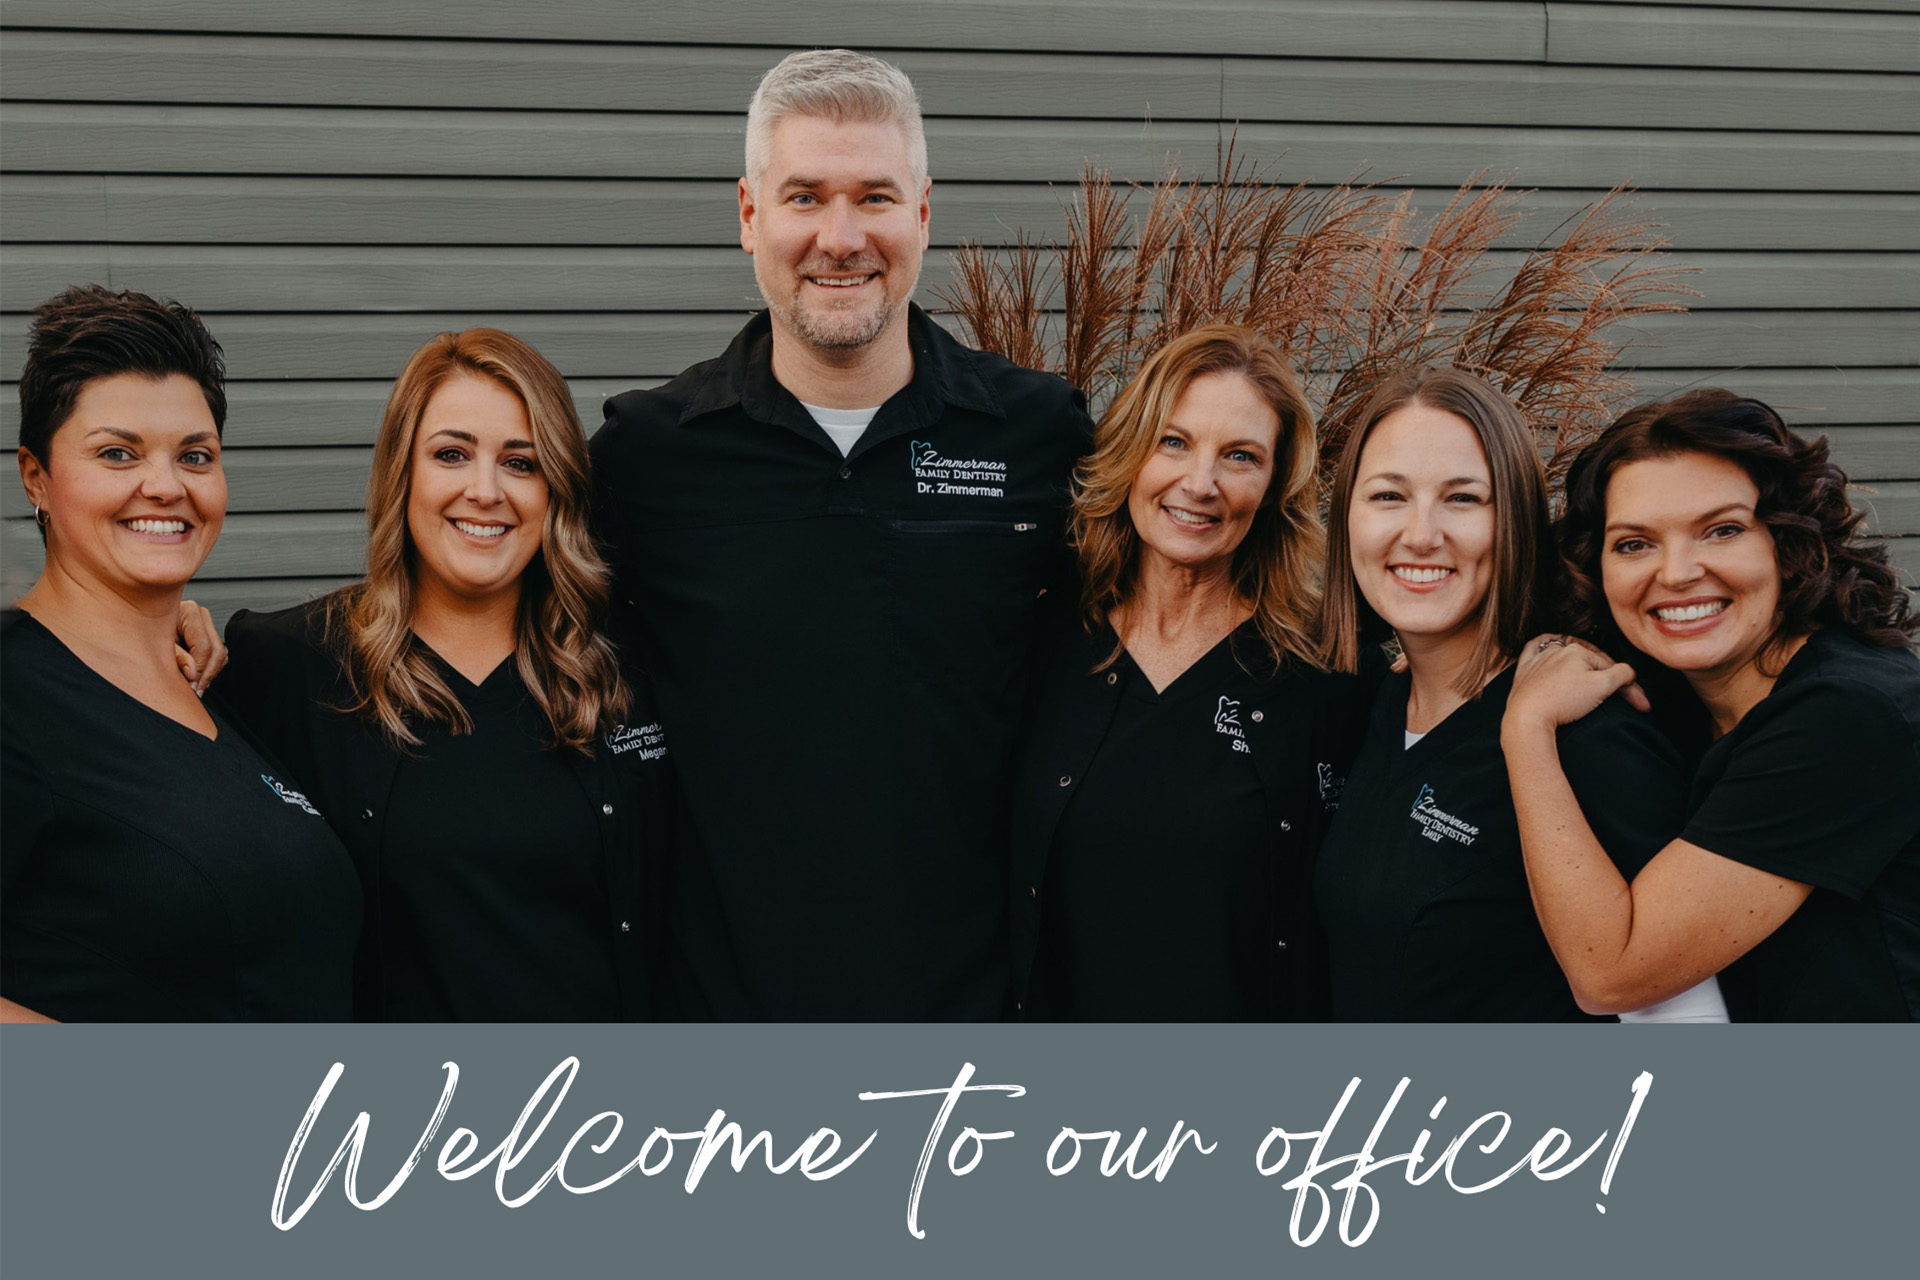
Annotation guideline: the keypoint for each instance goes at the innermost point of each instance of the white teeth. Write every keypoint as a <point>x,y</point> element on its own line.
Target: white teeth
<point>1691,613</point>
<point>1407,573</point>
<point>1187,517</point>
<point>157,526</point>
<point>839,284</point>
<point>481,530</point>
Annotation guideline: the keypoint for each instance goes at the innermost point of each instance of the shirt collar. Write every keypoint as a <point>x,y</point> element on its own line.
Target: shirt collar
<point>945,374</point>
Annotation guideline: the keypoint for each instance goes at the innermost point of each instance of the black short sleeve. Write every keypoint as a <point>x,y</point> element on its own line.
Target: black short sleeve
<point>1822,786</point>
<point>1630,782</point>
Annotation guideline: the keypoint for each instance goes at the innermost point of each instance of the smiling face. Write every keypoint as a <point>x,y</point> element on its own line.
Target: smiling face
<point>1689,570</point>
<point>1195,498</point>
<point>836,223</point>
<point>133,490</point>
<point>477,501</point>
<point>1421,526</point>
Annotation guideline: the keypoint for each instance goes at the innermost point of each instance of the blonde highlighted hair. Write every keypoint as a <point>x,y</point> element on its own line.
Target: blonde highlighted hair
<point>1276,567</point>
<point>568,667</point>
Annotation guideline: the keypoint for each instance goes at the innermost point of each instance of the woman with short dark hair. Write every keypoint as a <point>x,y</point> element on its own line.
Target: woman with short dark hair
<point>1188,742</point>
<point>157,867</point>
<point>460,717</point>
<point>1440,536</point>
<point>1704,536</point>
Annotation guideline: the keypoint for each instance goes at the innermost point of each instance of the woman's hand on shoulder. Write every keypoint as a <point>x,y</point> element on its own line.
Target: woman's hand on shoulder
<point>200,652</point>
<point>1559,680</point>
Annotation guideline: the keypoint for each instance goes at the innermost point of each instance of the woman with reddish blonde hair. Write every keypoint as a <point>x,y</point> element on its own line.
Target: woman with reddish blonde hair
<point>1187,743</point>
<point>459,716</point>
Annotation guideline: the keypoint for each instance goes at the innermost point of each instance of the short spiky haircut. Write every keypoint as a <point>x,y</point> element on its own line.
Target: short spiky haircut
<point>90,332</point>
<point>838,85</point>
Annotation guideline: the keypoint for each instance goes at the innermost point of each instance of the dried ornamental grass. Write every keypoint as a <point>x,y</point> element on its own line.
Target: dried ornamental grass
<point>1347,281</point>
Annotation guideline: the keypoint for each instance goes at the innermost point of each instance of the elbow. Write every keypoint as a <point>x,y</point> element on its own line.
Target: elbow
<point>1613,994</point>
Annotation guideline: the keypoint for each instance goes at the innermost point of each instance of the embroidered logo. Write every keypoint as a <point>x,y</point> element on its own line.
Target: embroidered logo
<point>1436,824</point>
<point>962,477</point>
<point>1226,719</point>
<point>289,795</point>
<point>1330,786</point>
<point>650,740</point>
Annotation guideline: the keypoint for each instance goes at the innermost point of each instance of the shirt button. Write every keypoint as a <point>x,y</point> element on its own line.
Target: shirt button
<point>1280,943</point>
<point>1113,677</point>
<point>1018,1007</point>
<point>1033,891</point>
<point>607,809</point>
<point>1285,825</point>
<point>846,473</point>
<point>1258,716</point>
<point>1066,779</point>
<point>1043,592</point>
<point>366,815</point>
<point>626,926</point>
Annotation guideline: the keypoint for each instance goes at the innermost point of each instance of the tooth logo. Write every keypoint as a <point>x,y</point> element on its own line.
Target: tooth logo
<point>1436,824</point>
<point>1226,719</point>
<point>288,794</point>
<point>957,477</point>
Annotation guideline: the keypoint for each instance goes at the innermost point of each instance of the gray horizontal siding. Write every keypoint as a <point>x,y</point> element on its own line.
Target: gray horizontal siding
<point>658,343</point>
<point>452,278</point>
<point>1689,35</point>
<point>333,182</point>
<point>268,71</point>
<point>320,140</point>
<point>131,209</point>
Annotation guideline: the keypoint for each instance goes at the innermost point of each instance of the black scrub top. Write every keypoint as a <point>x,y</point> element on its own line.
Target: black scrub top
<point>494,894</point>
<point>1163,839</point>
<point>1422,886</point>
<point>505,880</point>
<point>1820,783</point>
<point>152,874</point>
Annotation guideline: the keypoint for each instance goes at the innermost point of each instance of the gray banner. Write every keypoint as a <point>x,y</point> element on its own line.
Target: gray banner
<point>1766,1151</point>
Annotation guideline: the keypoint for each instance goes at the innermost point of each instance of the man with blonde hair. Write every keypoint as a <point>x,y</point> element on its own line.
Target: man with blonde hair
<point>829,545</point>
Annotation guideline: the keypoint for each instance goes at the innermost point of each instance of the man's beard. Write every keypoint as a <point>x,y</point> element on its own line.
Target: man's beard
<point>832,330</point>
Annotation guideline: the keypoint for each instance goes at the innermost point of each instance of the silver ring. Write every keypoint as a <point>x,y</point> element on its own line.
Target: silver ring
<point>1542,646</point>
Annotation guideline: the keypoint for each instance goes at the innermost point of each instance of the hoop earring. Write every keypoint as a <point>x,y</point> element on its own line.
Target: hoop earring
<point>39,516</point>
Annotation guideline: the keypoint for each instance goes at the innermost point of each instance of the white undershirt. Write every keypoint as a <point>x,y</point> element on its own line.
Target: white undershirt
<point>1413,737</point>
<point>844,426</point>
<point>1702,1003</point>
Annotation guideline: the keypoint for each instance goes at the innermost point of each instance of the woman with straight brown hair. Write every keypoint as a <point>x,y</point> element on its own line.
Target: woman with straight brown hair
<point>460,718</point>
<point>1440,537</point>
<point>1186,742</point>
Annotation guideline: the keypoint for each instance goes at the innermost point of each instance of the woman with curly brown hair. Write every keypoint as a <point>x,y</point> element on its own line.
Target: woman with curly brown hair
<point>459,717</point>
<point>1187,742</point>
<point>1701,534</point>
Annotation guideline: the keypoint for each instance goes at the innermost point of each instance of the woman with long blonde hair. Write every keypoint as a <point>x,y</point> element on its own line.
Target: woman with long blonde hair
<point>459,717</point>
<point>1187,742</point>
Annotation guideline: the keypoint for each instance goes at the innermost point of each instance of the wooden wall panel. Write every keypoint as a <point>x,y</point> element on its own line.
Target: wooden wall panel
<point>333,182</point>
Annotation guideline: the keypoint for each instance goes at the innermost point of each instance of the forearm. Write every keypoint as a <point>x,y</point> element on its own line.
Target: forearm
<point>1585,906</point>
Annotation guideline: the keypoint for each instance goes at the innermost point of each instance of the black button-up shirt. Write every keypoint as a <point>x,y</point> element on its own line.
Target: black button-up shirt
<point>841,649</point>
